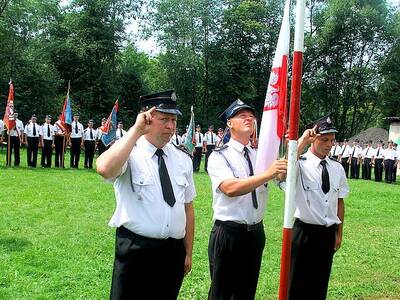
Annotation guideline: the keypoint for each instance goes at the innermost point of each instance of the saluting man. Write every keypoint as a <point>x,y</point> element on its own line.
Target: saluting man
<point>237,238</point>
<point>154,189</point>
<point>89,140</point>
<point>32,133</point>
<point>47,137</point>
<point>76,141</point>
<point>317,232</point>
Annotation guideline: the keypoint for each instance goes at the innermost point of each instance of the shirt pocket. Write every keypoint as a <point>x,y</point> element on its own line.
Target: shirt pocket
<point>143,184</point>
<point>310,188</point>
<point>181,185</point>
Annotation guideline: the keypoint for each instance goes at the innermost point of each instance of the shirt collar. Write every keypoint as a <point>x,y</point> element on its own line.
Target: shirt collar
<point>315,160</point>
<point>150,149</point>
<point>237,145</point>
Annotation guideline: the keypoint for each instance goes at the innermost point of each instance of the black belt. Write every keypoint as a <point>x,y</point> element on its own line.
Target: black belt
<point>314,227</point>
<point>123,231</point>
<point>238,226</point>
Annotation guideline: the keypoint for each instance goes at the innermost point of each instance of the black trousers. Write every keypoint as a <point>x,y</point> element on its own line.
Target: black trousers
<point>366,169</point>
<point>15,144</point>
<point>102,148</point>
<point>395,171</point>
<point>89,153</point>
<point>198,151</point>
<point>32,151</point>
<point>75,152</point>
<point>378,169</point>
<point>354,168</point>
<point>235,255</point>
<point>210,149</point>
<point>311,261</point>
<point>389,170</point>
<point>47,152</point>
<point>345,164</point>
<point>59,153</point>
<point>146,268</point>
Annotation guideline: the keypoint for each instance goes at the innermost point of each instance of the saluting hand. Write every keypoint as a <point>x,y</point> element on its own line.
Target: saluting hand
<point>143,121</point>
<point>310,135</point>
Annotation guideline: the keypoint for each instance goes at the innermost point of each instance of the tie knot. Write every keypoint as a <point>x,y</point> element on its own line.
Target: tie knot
<point>323,162</point>
<point>246,151</point>
<point>159,152</point>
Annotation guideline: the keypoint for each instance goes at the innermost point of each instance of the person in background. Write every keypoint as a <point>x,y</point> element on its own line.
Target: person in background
<point>89,142</point>
<point>47,140</point>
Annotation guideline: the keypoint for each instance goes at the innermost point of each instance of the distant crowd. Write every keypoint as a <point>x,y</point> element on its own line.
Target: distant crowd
<point>55,138</point>
<point>365,156</point>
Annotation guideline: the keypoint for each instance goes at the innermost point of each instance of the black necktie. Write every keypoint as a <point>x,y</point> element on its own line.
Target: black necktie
<point>334,151</point>
<point>212,141</point>
<point>344,149</point>
<point>176,140</point>
<point>377,154</point>
<point>91,134</point>
<point>76,128</point>
<point>325,177</point>
<point>168,192</point>
<point>354,149</point>
<point>34,130</point>
<point>48,130</point>
<point>121,133</point>
<point>367,151</point>
<point>253,193</point>
<point>199,138</point>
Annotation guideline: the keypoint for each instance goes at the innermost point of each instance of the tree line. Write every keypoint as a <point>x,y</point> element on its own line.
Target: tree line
<point>211,52</point>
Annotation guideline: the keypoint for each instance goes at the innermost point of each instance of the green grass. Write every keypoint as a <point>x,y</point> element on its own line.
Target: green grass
<point>55,242</point>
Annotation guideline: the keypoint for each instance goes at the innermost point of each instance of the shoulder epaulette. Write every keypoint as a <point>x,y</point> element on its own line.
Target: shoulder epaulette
<point>331,158</point>
<point>301,157</point>
<point>221,148</point>
<point>183,149</point>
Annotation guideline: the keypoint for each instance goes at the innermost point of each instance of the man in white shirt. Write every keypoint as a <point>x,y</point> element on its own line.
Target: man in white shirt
<point>210,140</point>
<point>76,141</point>
<point>198,148</point>
<point>335,151</point>
<point>390,162</point>
<point>176,138</point>
<point>89,141</point>
<point>317,232</point>
<point>32,133</point>
<point>355,160</point>
<point>367,155</point>
<point>239,197</point>
<point>47,137</point>
<point>154,189</point>
<point>120,132</point>
<point>344,157</point>
<point>16,138</point>
<point>60,132</point>
<point>220,137</point>
<point>100,145</point>
<point>377,161</point>
<point>1,131</point>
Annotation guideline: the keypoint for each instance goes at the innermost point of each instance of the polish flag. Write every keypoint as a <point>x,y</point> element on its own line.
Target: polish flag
<point>273,122</point>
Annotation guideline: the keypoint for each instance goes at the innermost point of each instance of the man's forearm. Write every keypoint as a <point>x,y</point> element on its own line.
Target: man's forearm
<point>188,240</point>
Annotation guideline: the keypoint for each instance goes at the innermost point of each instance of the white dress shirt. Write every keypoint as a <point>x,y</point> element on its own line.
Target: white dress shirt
<point>345,153</point>
<point>355,151</point>
<point>210,138</point>
<point>144,211</point>
<point>199,139</point>
<point>86,134</point>
<point>336,150</point>
<point>389,154</point>
<point>313,206</point>
<point>368,152</point>
<point>29,129</point>
<point>46,130</point>
<point>1,127</point>
<point>230,163</point>
<point>118,134</point>
<point>379,153</point>
<point>18,129</point>
<point>73,130</point>
<point>176,140</point>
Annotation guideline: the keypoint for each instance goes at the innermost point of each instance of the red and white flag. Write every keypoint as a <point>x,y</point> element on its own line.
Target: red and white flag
<point>8,119</point>
<point>273,122</point>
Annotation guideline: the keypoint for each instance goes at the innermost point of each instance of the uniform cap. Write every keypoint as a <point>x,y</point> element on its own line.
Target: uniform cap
<point>33,116</point>
<point>324,125</point>
<point>48,116</point>
<point>234,108</point>
<point>163,101</point>
<point>91,121</point>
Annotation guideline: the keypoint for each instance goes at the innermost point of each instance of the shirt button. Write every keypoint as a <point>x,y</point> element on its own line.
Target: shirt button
<point>141,182</point>
<point>326,200</point>
<point>325,216</point>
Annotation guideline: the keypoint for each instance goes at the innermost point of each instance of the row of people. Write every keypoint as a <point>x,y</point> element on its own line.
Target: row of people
<point>154,215</point>
<point>55,136</point>
<point>353,156</point>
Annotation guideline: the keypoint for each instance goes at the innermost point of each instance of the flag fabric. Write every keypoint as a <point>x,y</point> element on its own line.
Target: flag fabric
<point>66,114</point>
<point>8,118</point>
<point>273,123</point>
<point>109,129</point>
<point>190,139</point>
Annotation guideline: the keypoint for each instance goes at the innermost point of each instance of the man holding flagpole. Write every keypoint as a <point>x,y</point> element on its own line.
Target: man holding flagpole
<point>317,232</point>
<point>239,198</point>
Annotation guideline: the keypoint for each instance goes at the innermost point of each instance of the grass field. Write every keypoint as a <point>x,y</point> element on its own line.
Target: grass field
<point>55,242</point>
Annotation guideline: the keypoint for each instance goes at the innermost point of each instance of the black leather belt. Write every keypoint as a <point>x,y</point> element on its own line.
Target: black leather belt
<point>314,227</point>
<point>239,226</point>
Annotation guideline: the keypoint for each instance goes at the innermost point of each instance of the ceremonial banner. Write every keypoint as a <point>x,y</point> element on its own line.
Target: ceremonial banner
<point>8,118</point>
<point>273,122</point>
<point>190,138</point>
<point>109,129</point>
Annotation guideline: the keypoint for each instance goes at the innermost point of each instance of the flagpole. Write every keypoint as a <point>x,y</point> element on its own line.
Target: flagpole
<point>9,149</point>
<point>292,150</point>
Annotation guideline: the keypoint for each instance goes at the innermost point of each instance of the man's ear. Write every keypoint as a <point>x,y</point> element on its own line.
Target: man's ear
<point>229,123</point>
